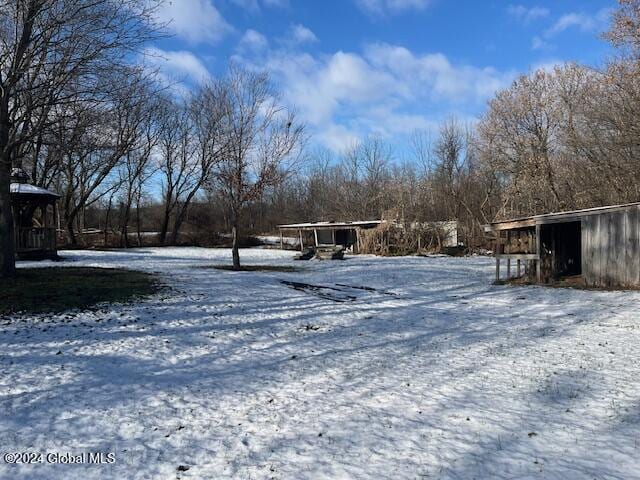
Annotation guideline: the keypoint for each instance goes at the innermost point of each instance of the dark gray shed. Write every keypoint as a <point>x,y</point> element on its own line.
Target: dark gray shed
<point>601,245</point>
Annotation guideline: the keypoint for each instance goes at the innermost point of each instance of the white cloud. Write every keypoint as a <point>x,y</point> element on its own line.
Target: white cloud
<point>253,40</point>
<point>434,75</point>
<point>255,6</point>
<point>176,66</point>
<point>276,3</point>
<point>337,137</point>
<point>196,21</point>
<point>548,66</point>
<point>583,21</point>
<point>302,34</point>
<point>321,87</point>
<point>538,43</point>
<point>391,7</point>
<point>580,20</point>
<point>386,90</point>
<point>527,14</point>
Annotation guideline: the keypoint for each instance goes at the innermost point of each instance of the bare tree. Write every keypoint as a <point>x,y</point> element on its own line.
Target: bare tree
<point>625,27</point>
<point>207,111</point>
<point>137,169</point>
<point>176,164</point>
<point>263,142</point>
<point>519,134</point>
<point>45,47</point>
<point>103,136</point>
<point>192,143</point>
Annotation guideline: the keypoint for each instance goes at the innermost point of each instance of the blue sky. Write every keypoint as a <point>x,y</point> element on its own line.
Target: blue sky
<point>353,68</point>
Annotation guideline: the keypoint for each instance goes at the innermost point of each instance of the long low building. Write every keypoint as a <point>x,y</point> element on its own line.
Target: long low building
<point>602,245</point>
<point>330,233</point>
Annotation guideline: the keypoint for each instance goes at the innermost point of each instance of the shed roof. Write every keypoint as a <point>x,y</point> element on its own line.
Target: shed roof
<point>554,217</point>
<point>27,189</point>
<point>331,225</point>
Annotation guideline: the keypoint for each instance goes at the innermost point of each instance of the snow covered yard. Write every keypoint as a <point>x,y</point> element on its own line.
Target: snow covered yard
<point>381,368</point>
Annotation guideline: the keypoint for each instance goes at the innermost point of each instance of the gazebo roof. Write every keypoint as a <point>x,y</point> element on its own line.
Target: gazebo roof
<point>20,186</point>
<point>27,189</point>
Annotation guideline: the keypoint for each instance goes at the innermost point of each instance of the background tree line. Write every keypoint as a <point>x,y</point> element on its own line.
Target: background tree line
<point>83,116</point>
<point>130,156</point>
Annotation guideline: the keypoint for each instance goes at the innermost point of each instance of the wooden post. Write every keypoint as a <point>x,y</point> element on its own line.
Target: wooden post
<point>508,269</point>
<point>333,236</point>
<point>518,268</point>
<point>315,235</point>
<point>301,242</point>
<point>497,269</point>
<point>281,241</point>
<point>539,253</point>
<point>553,251</point>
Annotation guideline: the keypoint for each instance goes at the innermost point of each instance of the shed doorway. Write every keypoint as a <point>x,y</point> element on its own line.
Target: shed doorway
<point>561,250</point>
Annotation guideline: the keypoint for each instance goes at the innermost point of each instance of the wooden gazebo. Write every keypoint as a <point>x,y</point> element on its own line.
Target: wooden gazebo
<point>34,218</point>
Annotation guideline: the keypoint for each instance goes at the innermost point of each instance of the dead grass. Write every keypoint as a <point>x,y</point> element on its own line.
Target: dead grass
<point>55,289</point>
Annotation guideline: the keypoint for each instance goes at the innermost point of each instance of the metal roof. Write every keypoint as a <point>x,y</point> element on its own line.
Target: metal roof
<point>325,225</point>
<point>554,217</point>
<point>27,189</point>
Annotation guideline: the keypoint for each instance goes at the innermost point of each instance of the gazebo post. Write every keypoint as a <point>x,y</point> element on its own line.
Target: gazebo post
<point>539,254</point>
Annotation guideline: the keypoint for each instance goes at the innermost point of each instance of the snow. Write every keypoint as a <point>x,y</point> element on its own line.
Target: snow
<point>401,367</point>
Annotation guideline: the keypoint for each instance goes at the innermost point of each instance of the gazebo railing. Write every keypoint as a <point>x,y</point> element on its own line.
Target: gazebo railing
<point>35,238</point>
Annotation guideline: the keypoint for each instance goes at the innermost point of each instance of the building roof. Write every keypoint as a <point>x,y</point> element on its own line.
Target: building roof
<point>331,225</point>
<point>27,189</point>
<point>554,217</point>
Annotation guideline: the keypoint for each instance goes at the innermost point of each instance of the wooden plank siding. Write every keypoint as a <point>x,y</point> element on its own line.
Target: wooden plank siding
<point>634,261</point>
<point>611,248</point>
<point>629,222</point>
<point>586,225</point>
<point>602,244</point>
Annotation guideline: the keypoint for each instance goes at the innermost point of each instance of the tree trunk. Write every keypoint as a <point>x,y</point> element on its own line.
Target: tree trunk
<point>7,253</point>
<point>73,241</point>
<point>165,225</point>
<point>235,245</point>
<point>177,224</point>
<point>124,236</point>
<point>106,222</point>
<point>124,228</point>
<point>181,215</point>
<point>138,219</point>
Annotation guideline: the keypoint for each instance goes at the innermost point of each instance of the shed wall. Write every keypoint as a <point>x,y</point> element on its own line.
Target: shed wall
<point>611,248</point>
